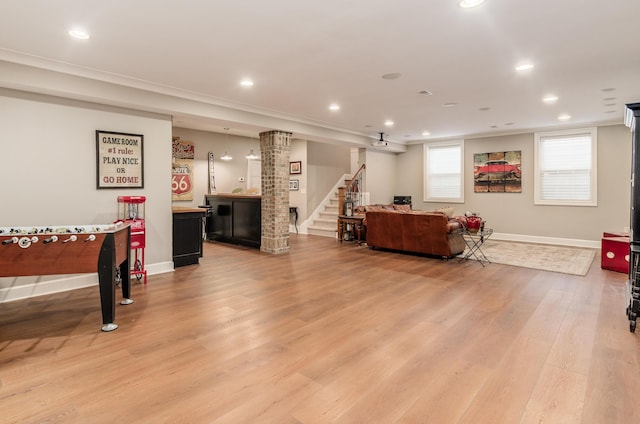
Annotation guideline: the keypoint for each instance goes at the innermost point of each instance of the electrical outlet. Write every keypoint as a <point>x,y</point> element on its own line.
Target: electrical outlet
<point>240,179</point>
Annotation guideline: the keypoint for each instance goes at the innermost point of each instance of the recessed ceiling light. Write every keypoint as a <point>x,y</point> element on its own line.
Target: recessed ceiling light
<point>484,109</point>
<point>494,126</point>
<point>524,67</point>
<point>610,111</point>
<point>368,126</point>
<point>425,92</point>
<point>426,133</point>
<point>334,107</point>
<point>607,90</point>
<point>246,82</point>
<point>564,117</point>
<point>388,123</point>
<point>608,99</point>
<point>610,104</point>
<point>551,98</point>
<point>466,4</point>
<point>79,34</point>
<point>391,76</point>
<point>450,104</point>
<point>508,123</point>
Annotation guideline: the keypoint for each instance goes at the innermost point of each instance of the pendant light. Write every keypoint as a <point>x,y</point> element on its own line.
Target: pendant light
<point>251,154</point>
<point>226,156</point>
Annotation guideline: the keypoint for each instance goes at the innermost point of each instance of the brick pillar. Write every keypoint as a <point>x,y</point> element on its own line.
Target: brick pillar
<point>274,149</point>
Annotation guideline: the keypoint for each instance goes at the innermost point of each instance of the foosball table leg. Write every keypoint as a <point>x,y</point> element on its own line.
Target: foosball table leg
<point>109,327</point>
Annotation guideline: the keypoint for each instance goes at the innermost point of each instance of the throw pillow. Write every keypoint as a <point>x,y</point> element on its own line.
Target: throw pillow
<point>404,208</point>
<point>448,211</point>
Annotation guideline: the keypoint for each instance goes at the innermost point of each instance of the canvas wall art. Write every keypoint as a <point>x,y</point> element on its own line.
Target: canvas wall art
<point>497,172</point>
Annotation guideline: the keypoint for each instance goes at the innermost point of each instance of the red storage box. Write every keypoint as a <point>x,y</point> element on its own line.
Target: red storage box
<point>611,234</point>
<point>615,254</point>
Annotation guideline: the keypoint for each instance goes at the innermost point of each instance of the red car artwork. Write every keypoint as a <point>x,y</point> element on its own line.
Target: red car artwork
<point>496,170</point>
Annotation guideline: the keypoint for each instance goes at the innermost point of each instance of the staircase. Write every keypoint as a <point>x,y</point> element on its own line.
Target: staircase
<point>326,223</point>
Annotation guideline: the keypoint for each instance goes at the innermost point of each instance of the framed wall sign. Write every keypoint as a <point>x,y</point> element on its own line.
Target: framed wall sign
<point>294,185</point>
<point>183,154</point>
<point>295,167</point>
<point>119,161</point>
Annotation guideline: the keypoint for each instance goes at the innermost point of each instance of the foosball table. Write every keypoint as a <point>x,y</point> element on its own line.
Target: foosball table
<point>73,249</point>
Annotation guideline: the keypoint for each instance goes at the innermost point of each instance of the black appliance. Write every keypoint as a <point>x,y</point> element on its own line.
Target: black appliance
<point>633,282</point>
<point>401,200</point>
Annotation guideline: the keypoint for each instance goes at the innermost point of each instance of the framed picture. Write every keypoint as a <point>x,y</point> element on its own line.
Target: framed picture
<point>294,185</point>
<point>119,161</point>
<point>295,167</point>
<point>182,169</point>
<point>497,172</point>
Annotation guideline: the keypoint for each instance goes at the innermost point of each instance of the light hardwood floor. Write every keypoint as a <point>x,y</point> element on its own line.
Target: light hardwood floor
<point>328,333</point>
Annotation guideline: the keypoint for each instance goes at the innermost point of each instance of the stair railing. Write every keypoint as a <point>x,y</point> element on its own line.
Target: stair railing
<point>351,191</point>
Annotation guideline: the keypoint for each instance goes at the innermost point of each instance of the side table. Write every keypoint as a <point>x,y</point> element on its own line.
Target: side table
<point>474,242</point>
<point>355,221</point>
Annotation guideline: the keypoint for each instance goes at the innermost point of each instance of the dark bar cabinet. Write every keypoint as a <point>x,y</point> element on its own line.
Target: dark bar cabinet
<point>234,218</point>
<point>187,235</point>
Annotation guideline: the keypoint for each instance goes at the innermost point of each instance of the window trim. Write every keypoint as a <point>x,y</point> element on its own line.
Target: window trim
<point>538,137</point>
<point>425,167</point>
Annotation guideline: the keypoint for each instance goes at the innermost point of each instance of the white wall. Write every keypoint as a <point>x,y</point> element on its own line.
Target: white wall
<point>327,164</point>
<point>515,213</point>
<point>48,176</point>
<point>382,176</point>
<point>299,152</point>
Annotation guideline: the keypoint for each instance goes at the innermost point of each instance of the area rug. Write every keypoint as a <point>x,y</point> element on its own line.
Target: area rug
<point>564,259</point>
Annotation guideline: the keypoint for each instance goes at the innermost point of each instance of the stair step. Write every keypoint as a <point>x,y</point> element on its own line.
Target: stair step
<point>319,231</point>
<point>329,215</point>
<point>326,223</point>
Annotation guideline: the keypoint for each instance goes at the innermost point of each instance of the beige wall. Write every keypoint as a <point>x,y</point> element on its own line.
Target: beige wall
<point>515,213</point>
<point>48,176</point>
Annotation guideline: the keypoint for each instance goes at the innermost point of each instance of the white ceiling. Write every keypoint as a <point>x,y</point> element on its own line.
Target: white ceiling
<point>304,55</point>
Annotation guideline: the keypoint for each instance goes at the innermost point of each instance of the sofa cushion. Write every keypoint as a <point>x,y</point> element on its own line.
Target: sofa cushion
<point>448,211</point>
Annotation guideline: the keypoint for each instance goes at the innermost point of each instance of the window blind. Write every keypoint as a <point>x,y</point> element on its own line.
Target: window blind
<point>444,177</point>
<point>564,166</point>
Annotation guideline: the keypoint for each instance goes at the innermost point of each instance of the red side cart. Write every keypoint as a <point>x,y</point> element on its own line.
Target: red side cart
<point>131,210</point>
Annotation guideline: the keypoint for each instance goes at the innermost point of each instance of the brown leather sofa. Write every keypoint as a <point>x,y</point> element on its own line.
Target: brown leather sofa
<point>429,233</point>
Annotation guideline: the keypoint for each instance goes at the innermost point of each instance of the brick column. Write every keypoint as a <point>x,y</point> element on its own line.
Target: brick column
<point>274,149</point>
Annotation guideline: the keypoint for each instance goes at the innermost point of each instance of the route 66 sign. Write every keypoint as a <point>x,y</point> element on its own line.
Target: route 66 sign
<point>181,180</point>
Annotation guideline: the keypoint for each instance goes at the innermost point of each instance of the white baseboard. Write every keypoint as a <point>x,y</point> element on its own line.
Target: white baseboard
<point>524,238</point>
<point>71,282</point>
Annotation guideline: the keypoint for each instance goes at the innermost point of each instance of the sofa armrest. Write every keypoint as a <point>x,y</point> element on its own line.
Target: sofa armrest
<point>453,225</point>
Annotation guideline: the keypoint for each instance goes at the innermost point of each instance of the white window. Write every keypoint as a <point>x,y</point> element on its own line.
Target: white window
<point>444,172</point>
<point>565,167</point>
